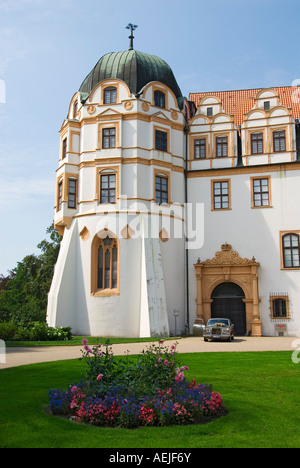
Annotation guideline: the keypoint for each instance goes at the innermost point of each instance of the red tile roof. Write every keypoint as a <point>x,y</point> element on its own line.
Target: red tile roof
<point>238,103</point>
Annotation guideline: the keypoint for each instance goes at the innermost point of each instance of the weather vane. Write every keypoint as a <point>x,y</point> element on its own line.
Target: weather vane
<point>132,28</point>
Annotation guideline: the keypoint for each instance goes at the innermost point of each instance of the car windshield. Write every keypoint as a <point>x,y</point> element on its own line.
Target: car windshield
<point>215,321</point>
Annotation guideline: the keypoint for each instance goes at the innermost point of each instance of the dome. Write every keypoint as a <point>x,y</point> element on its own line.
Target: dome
<point>135,68</point>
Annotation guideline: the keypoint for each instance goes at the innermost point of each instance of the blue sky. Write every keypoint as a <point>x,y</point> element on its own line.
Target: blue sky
<point>47,47</point>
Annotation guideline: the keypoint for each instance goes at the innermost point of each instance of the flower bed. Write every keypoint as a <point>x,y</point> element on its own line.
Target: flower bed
<point>149,391</point>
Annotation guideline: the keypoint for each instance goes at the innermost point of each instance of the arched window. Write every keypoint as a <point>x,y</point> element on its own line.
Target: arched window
<point>105,266</point>
<point>110,95</point>
<point>291,251</point>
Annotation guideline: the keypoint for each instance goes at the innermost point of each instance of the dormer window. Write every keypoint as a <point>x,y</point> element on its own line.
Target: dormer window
<point>110,95</point>
<point>267,105</point>
<point>209,112</point>
<point>159,99</point>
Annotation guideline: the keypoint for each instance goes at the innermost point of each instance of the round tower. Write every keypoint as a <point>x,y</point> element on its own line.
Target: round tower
<point>120,197</point>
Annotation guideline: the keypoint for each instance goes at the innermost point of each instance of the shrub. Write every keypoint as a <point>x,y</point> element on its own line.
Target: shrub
<point>150,391</point>
<point>33,331</point>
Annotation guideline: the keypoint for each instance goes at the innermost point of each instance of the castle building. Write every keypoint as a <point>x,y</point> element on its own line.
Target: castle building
<point>174,210</point>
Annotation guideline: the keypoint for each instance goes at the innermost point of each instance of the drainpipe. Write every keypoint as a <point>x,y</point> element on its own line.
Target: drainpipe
<point>186,131</point>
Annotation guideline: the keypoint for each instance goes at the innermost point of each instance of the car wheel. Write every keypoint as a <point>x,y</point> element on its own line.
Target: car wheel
<point>206,339</point>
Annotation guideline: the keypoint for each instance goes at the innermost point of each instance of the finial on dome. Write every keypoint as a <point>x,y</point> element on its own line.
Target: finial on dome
<point>132,28</point>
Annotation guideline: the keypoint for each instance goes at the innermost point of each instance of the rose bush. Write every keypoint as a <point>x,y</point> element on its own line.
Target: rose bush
<point>151,390</point>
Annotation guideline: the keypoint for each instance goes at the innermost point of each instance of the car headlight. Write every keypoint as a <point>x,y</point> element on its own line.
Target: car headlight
<point>225,331</point>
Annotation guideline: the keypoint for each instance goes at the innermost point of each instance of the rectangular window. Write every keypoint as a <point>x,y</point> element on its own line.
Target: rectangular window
<point>110,95</point>
<point>261,192</point>
<point>279,143</point>
<point>267,105</point>
<point>161,140</point>
<point>109,138</point>
<point>72,192</point>
<point>279,306</point>
<point>161,190</point>
<point>200,148</point>
<point>221,199</point>
<point>159,99</point>
<point>59,196</point>
<point>209,112</point>
<point>257,143</point>
<point>108,188</point>
<point>221,147</point>
<point>64,148</point>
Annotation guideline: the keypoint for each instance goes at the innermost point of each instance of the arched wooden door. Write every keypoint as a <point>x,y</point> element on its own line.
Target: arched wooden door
<point>227,302</point>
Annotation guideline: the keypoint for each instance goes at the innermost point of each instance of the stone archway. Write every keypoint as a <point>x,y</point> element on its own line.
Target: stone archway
<point>228,266</point>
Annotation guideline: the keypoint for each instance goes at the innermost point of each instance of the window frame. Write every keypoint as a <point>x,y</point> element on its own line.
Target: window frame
<point>70,195</point>
<point>110,138</point>
<point>158,133</point>
<point>108,189</point>
<point>59,198</point>
<point>279,297</point>
<point>257,141</point>
<point>253,192</point>
<point>159,95</point>
<point>199,146</point>
<point>222,144</point>
<point>278,140</point>
<point>64,148</point>
<point>290,248</point>
<point>221,195</point>
<point>97,243</point>
<point>110,91</point>
<point>159,177</point>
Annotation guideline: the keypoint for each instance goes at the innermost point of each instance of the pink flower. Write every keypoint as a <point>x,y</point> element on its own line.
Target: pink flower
<point>166,362</point>
<point>84,342</point>
<point>88,349</point>
<point>100,376</point>
<point>161,341</point>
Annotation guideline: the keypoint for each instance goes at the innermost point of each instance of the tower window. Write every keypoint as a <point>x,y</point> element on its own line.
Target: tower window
<point>161,140</point>
<point>161,190</point>
<point>110,95</point>
<point>107,270</point>
<point>75,109</point>
<point>109,138</point>
<point>159,99</point>
<point>72,192</point>
<point>64,148</point>
<point>59,195</point>
<point>108,188</point>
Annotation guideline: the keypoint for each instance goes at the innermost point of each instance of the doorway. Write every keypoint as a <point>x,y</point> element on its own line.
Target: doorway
<point>227,302</point>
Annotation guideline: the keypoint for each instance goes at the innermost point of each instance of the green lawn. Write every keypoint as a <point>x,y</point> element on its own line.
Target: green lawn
<point>261,391</point>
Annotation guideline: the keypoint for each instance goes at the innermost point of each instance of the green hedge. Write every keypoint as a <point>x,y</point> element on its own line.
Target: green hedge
<point>35,331</point>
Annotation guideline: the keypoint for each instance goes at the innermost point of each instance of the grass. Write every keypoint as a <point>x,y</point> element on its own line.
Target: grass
<point>260,389</point>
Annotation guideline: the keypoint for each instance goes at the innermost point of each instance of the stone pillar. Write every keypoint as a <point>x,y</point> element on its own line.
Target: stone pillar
<point>200,317</point>
<point>256,322</point>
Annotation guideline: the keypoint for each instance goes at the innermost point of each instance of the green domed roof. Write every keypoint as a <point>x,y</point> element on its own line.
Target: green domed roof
<point>135,68</point>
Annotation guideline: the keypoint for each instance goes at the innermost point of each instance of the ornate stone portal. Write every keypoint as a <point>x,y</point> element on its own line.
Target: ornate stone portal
<point>228,266</point>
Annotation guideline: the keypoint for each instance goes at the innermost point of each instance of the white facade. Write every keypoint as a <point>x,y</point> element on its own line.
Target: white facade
<point>123,268</point>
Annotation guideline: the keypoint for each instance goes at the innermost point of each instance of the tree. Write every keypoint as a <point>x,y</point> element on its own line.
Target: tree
<point>24,296</point>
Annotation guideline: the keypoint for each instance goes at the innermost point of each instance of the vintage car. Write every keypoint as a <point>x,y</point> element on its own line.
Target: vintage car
<point>219,329</point>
